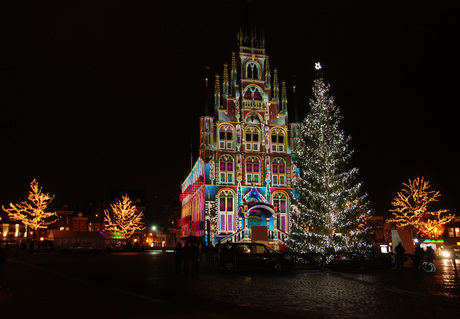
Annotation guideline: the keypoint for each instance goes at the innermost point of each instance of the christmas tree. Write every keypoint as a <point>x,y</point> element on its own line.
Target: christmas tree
<point>329,208</point>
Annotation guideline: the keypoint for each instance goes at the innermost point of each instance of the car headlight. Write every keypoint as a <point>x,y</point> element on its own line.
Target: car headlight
<point>445,254</point>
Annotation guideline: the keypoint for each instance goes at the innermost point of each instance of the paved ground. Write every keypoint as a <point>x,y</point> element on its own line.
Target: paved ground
<point>145,285</point>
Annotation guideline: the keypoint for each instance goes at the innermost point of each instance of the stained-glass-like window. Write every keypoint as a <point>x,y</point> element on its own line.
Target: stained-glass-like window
<point>226,211</point>
<point>278,141</point>
<point>226,137</point>
<point>253,170</point>
<point>252,139</point>
<point>280,201</point>
<point>279,172</point>
<point>226,169</point>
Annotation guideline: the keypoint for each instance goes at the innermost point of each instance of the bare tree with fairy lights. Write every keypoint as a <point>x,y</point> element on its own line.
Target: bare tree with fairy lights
<point>125,217</point>
<point>411,207</point>
<point>32,213</point>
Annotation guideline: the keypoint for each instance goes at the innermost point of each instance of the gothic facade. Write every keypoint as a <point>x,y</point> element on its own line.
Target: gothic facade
<point>240,188</point>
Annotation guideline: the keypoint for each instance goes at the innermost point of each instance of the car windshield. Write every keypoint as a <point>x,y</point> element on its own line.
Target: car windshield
<point>270,250</point>
<point>259,249</point>
<point>245,249</point>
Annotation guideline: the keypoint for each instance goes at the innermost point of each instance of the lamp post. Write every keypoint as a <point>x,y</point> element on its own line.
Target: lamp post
<point>153,228</point>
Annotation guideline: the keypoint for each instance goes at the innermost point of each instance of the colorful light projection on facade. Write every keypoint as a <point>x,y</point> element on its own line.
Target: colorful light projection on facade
<point>245,152</point>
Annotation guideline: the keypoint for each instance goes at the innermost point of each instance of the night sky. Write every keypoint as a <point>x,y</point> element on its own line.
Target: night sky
<point>107,94</point>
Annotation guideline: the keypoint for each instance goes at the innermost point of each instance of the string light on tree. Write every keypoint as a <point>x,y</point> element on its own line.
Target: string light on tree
<point>411,207</point>
<point>125,217</point>
<point>330,211</point>
<point>33,213</point>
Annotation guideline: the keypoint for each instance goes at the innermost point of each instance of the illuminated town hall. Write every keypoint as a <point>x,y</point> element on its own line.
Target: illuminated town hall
<point>240,187</point>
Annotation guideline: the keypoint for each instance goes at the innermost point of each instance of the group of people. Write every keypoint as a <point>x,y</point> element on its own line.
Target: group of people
<point>187,256</point>
<point>420,256</point>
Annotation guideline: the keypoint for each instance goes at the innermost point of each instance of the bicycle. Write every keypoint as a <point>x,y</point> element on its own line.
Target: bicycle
<point>428,266</point>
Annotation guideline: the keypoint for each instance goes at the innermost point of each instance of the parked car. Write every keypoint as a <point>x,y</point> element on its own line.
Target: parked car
<point>86,247</point>
<point>247,256</point>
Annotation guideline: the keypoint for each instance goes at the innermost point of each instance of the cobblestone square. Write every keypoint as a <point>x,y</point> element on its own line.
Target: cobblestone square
<point>145,285</point>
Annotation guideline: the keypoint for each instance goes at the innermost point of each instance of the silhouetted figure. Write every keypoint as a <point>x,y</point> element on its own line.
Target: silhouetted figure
<point>178,256</point>
<point>31,246</point>
<point>430,254</point>
<point>195,258</point>
<point>399,250</point>
<point>186,256</point>
<point>418,257</point>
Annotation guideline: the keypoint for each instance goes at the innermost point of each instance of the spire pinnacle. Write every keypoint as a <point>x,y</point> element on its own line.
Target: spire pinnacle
<point>217,92</point>
<point>276,88</point>
<point>283,98</point>
<point>267,73</point>
<point>225,80</point>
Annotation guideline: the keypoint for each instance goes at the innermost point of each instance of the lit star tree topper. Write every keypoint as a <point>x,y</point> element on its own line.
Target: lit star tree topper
<point>411,207</point>
<point>329,208</point>
<point>125,217</point>
<point>32,213</point>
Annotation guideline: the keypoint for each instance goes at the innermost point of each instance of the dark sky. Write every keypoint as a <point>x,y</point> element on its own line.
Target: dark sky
<point>107,94</point>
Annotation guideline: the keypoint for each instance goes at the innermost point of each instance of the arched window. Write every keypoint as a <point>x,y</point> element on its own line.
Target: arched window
<point>253,170</point>
<point>279,172</point>
<point>226,137</point>
<point>226,169</point>
<point>280,201</point>
<point>278,141</point>
<point>226,211</point>
<point>252,139</point>
<point>252,71</point>
<point>253,93</point>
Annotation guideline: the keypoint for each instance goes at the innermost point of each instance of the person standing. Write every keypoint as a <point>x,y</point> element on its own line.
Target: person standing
<point>186,255</point>
<point>178,256</point>
<point>430,254</point>
<point>399,250</point>
<point>418,257</point>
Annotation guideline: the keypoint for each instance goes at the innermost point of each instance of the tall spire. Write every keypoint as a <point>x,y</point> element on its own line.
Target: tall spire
<point>267,73</point>
<point>225,81</point>
<point>217,92</point>
<point>248,34</point>
<point>276,88</point>
<point>283,98</point>
<point>234,75</point>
